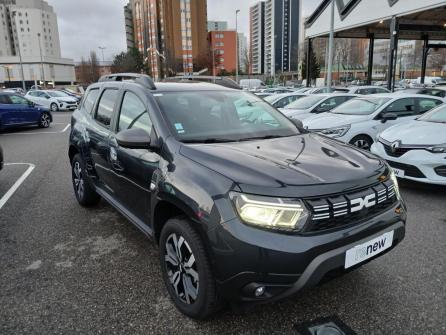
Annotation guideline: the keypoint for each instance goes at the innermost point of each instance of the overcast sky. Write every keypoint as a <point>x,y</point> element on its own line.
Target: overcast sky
<point>85,25</point>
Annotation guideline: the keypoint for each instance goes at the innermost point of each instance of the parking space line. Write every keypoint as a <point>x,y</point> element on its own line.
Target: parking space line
<point>39,132</point>
<point>17,184</point>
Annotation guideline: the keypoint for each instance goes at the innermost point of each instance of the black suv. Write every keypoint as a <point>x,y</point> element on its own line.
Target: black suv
<point>245,206</point>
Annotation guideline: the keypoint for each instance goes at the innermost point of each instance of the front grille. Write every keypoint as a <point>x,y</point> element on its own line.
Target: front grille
<point>441,170</point>
<point>409,170</point>
<point>397,152</point>
<point>350,208</point>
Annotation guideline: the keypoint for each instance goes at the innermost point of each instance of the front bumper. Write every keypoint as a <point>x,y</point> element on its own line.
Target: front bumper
<point>67,106</point>
<point>246,258</point>
<point>423,161</point>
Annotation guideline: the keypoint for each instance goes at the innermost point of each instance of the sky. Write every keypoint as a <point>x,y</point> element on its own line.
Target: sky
<point>86,25</point>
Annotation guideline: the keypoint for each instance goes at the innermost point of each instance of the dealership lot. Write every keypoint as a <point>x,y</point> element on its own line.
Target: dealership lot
<point>67,269</point>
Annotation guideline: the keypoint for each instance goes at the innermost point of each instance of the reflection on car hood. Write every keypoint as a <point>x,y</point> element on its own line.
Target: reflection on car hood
<point>416,132</point>
<point>303,160</point>
<point>330,120</point>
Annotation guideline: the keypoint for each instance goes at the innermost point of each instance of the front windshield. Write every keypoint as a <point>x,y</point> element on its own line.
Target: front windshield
<point>222,116</point>
<point>360,106</point>
<point>306,102</point>
<point>437,115</point>
<point>57,94</point>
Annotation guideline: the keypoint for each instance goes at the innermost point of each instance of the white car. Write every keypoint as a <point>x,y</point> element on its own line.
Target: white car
<point>359,120</point>
<point>54,100</point>
<point>416,150</point>
<point>314,104</point>
<point>283,99</point>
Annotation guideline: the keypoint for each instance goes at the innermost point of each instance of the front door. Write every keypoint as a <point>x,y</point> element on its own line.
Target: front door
<point>134,167</point>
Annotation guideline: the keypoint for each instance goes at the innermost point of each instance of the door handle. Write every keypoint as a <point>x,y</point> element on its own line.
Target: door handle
<point>114,160</point>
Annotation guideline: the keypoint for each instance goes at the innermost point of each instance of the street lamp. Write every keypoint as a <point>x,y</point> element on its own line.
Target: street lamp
<point>236,44</point>
<point>41,62</point>
<point>102,50</point>
<point>14,13</point>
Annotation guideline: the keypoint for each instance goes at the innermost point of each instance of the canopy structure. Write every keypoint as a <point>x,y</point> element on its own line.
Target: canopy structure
<point>382,19</point>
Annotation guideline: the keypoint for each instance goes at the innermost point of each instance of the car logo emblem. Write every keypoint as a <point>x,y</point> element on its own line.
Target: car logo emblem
<point>395,146</point>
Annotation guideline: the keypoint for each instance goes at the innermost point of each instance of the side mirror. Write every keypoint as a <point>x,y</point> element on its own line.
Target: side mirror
<point>133,139</point>
<point>388,117</point>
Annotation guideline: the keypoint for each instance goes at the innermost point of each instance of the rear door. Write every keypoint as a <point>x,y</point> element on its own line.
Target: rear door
<point>98,132</point>
<point>134,167</point>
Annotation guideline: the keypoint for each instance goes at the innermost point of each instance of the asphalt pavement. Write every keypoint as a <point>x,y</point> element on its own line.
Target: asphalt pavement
<point>65,269</point>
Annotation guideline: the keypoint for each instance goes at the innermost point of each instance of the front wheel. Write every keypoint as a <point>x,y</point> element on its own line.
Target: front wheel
<point>362,142</point>
<point>45,120</point>
<point>84,191</point>
<point>54,107</point>
<point>186,270</point>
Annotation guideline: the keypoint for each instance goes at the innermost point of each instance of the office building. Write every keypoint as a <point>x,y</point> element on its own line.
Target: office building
<point>217,25</point>
<point>29,31</point>
<point>257,38</point>
<point>243,52</point>
<point>169,33</point>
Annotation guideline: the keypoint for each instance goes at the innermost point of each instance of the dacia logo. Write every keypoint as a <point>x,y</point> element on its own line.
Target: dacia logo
<point>395,146</point>
<point>361,203</point>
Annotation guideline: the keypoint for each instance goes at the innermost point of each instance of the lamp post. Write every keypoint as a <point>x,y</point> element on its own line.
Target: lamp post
<point>42,66</point>
<point>20,55</point>
<point>236,44</point>
<point>102,50</point>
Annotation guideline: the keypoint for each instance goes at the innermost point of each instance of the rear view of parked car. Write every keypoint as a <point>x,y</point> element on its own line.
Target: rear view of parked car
<point>416,150</point>
<point>16,110</point>
<point>359,120</point>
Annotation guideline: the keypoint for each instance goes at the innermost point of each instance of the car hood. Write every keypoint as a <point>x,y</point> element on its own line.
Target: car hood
<point>330,120</point>
<point>292,112</point>
<point>67,99</point>
<point>290,166</point>
<point>416,132</point>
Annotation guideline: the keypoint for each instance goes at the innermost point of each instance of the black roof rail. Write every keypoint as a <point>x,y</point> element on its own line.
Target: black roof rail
<point>141,79</point>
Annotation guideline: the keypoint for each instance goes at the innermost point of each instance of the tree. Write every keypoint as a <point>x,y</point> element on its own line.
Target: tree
<point>203,61</point>
<point>315,69</point>
<point>130,61</point>
<point>94,67</point>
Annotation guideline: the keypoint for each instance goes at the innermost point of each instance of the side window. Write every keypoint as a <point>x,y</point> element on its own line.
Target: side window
<point>17,100</point>
<point>438,93</point>
<point>425,105</point>
<point>90,99</point>
<point>4,100</point>
<point>105,108</point>
<point>283,102</point>
<point>134,114</point>
<point>381,90</point>
<point>402,107</point>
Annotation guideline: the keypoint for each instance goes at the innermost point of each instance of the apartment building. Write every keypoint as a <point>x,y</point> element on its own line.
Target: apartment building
<point>169,33</point>
<point>223,50</point>
<point>217,25</point>
<point>257,37</point>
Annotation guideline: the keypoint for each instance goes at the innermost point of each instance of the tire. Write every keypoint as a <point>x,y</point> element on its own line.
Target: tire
<point>84,191</point>
<point>194,269</point>
<point>54,107</point>
<point>362,141</point>
<point>45,120</point>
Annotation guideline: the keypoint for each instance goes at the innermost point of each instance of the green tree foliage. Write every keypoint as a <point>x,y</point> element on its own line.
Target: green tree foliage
<point>130,61</point>
<point>315,68</point>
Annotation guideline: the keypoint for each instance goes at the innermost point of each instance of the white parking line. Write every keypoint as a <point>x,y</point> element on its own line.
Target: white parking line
<point>17,184</point>
<point>39,132</point>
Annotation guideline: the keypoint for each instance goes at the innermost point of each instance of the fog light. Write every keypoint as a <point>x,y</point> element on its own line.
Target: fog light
<point>259,291</point>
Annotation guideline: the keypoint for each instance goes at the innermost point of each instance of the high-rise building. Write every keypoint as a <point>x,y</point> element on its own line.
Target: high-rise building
<point>282,23</point>
<point>29,31</point>
<point>257,37</point>
<point>217,25</point>
<point>170,33</point>
<point>223,50</point>
<point>242,52</point>
<point>128,17</point>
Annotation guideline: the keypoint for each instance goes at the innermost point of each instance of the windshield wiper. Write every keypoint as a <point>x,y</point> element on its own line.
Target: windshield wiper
<point>209,140</point>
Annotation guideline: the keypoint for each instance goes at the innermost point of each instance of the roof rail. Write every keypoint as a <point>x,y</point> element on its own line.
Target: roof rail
<point>141,79</point>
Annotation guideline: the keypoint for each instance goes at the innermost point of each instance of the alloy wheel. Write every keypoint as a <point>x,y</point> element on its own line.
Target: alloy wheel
<point>78,180</point>
<point>45,120</point>
<point>181,268</point>
<point>362,144</point>
<point>54,108</point>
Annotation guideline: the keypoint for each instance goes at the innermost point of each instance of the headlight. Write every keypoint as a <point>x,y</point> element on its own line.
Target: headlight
<point>438,149</point>
<point>60,101</point>
<point>337,131</point>
<point>272,213</point>
<point>395,183</point>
